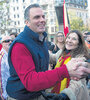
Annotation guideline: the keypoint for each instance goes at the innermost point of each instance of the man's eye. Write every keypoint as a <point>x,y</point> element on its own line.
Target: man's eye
<point>43,16</point>
<point>37,17</point>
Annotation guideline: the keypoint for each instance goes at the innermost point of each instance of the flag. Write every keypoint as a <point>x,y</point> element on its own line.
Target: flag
<point>0,46</point>
<point>65,20</point>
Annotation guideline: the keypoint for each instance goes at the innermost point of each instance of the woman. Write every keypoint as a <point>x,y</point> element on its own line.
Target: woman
<point>74,48</point>
<point>59,44</point>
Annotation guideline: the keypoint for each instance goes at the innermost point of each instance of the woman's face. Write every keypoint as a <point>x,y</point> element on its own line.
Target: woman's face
<point>60,37</point>
<point>72,41</point>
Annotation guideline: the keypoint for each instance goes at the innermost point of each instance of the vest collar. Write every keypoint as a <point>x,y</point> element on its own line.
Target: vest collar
<point>34,35</point>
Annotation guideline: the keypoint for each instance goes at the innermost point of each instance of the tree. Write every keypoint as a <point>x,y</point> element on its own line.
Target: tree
<point>4,16</point>
<point>77,23</point>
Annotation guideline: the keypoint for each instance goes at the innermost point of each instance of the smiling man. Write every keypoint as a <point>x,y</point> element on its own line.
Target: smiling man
<point>29,59</point>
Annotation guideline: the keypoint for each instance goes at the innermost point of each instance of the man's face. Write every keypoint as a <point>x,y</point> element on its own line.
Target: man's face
<point>88,38</point>
<point>37,20</point>
<point>12,36</point>
<point>6,42</point>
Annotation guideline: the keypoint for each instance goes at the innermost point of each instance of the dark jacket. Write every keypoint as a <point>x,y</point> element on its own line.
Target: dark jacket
<point>40,56</point>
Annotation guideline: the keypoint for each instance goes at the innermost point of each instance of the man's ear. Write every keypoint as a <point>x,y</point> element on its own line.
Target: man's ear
<point>27,23</point>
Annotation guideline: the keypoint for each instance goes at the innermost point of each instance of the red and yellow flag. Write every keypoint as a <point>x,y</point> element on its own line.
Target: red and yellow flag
<point>65,82</point>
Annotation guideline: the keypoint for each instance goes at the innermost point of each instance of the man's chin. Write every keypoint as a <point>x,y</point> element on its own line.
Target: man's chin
<point>41,32</point>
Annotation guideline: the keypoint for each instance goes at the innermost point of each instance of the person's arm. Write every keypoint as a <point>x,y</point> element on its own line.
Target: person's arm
<point>77,90</point>
<point>54,57</point>
<point>77,68</point>
<point>87,70</point>
<point>23,63</point>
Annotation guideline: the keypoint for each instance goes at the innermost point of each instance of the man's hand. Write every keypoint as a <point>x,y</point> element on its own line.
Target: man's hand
<point>77,68</point>
<point>87,70</point>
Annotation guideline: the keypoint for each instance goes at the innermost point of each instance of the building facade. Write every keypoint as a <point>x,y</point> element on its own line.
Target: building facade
<point>17,7</point>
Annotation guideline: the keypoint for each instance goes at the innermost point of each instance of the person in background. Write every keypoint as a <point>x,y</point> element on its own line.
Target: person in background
<point>0,46</point>
<point>59,44</point>
<point>13,35</point>
<point>87,40</point>
<point>84,34</point>
<point>28,60</point>
<point>74,48</point>
<point>4,67</point>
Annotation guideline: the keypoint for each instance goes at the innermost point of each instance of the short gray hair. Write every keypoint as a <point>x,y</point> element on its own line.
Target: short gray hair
<point>26,13</point>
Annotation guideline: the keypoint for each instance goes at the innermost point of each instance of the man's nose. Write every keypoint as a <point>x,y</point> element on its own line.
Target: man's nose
<point>42,19</point>
<point>10,41</point>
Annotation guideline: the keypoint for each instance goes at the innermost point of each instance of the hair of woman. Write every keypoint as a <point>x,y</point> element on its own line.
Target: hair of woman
<point>81,49</point>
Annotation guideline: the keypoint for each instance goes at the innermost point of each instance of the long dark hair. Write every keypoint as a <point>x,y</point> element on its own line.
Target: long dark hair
<point>81,49</point>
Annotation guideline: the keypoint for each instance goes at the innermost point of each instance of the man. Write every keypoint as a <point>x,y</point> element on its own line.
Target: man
<point>4,67</point>
<point>28,60</point>
<point>13,35</point>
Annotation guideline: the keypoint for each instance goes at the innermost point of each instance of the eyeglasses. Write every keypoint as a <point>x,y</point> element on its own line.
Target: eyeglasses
<point>60,35</point>
<point>6,41</point>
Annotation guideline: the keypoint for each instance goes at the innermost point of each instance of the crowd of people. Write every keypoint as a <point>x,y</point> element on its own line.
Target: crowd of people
<point>24,62</point>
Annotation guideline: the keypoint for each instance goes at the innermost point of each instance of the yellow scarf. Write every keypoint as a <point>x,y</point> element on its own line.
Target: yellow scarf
<point>65,82</point>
